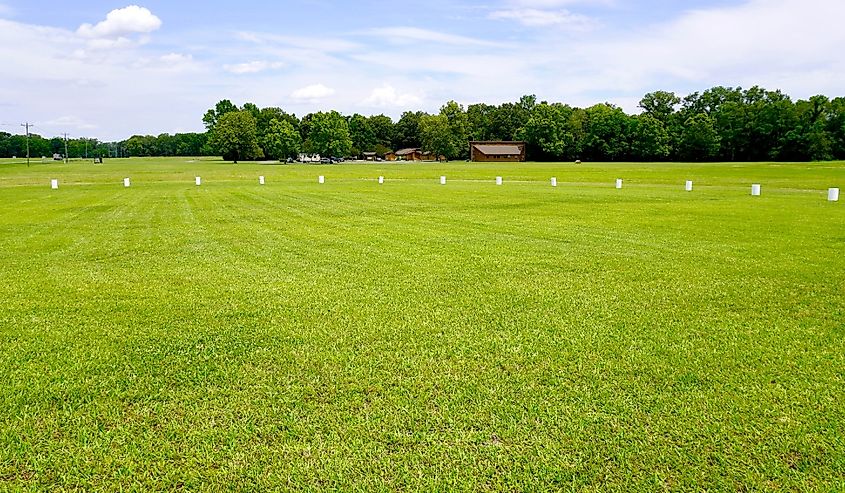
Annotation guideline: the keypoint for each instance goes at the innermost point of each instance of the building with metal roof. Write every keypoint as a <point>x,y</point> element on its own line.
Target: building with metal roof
<point>497,151</point>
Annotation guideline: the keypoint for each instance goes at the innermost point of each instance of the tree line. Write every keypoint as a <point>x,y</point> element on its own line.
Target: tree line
<point>719,124</point>
<point>187,144</point>
<point>15,146</point>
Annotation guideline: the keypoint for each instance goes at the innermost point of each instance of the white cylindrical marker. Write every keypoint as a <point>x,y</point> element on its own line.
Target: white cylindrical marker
<point>442,180</point>
<point>54,184</point>
<point>554,182</point>
<point>689,186</point>
<point>126,182</point>
<point>755,190</point>
<point>619,183</point>
<point>260,180</point>
<point>380,180</point>
<point>498,180</point>
<point>833,195</point>
<point>198,181</point>
<point>321,179</point>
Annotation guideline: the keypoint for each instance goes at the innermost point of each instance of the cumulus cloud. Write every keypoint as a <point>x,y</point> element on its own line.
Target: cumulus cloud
<point>387,96</point>
<point>313,92</point>
<point>252,67</point>
<point>120,23</point>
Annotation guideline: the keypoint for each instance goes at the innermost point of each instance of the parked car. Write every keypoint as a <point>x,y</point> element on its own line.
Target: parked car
<point>325,160</point>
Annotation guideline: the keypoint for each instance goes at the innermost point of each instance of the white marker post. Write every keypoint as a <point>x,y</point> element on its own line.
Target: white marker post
<point>381,180</point>
<point>755,190</point>
<point>126,183</point>
<point>442,180</point>
<point>498,180</point>
<point>260,180</point>
<point>833,194</point>
<point>619,183</point>
<point>689,186</point>
<point>554,182</point>
<point>54,184</point>
<point>198,181</point>
<point>321,179</point>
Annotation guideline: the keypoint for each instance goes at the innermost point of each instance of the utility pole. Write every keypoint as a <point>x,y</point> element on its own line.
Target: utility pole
<point>86,149</point>
<point>66,156</point>
<point>27,125</point>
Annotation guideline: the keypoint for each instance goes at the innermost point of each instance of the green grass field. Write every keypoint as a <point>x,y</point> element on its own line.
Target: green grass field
<point>413,336</point>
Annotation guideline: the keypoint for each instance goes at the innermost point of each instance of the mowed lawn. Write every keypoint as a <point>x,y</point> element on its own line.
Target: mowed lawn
<point>413,336</point>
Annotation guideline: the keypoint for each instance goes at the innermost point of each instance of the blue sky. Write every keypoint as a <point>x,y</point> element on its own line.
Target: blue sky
<point>112,69</point>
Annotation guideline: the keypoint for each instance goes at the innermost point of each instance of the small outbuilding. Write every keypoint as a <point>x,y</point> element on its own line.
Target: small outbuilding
<point>497,151</point>
<point>409,154</point>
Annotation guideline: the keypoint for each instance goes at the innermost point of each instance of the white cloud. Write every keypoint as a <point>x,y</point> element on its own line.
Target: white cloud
<point>66,122</point>
<point>122,22</point>
<point>536,18</point>
<point>322,43</point>
<point>550,4</point>
<point>387,96</point>
<point>170,62</point>
<point>748,47</point>
<point>107,43</point>
<point>176,58</point>
<point>415,34</point>
<point>313,92</point>
<point>252,67</point>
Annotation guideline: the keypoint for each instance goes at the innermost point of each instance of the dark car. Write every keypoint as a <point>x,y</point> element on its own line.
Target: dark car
<point>325,160</point>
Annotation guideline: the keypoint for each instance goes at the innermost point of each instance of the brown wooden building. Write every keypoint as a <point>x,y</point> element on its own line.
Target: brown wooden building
<point>497,151</point>
<point>410,154</point>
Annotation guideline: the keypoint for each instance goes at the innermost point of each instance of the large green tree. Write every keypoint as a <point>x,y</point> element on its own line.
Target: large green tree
<point>437,137</point>
<point>649,139</point>
<point>383,130</point>
<point>479,117</point>
<point>660,105</point>
<point>328,134</point>
<point>267,115</point>
<point>361,133</point>
<point>407,130</point>
<point>235,137</point>
<point>700,141</point>
<point>458,125</point>
<point>281,141</point>
<point>548,132</point>
<point>212,116</point>
<point>607,133</point>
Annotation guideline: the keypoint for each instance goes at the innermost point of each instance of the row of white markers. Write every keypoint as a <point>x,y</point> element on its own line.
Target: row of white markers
<point>756,189</point>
